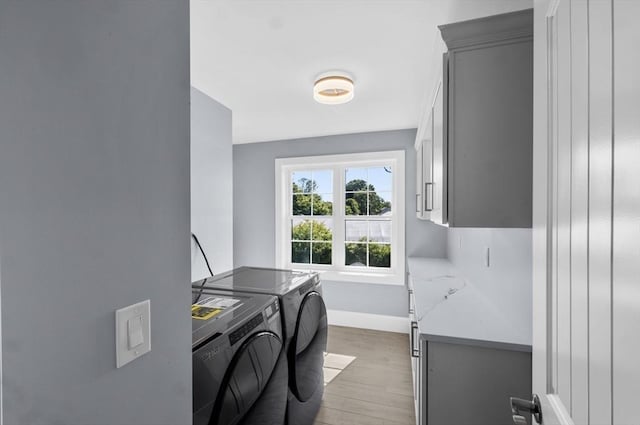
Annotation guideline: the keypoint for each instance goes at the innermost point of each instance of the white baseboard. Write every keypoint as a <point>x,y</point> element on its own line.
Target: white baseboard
<point>377,322</point>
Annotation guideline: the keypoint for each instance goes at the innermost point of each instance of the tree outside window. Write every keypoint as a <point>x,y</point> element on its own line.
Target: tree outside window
<point>367,213</point>
<point>312,208</point>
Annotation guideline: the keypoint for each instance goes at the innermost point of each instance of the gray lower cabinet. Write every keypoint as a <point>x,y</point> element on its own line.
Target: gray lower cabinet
<point>481,124</point>
<point>458,383</point>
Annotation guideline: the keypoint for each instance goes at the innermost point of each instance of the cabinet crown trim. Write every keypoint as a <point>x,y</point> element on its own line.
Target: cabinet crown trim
<point>490,29</point>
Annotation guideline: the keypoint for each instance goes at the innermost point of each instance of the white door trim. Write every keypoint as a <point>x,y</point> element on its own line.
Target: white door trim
<point>545,137</point>
<point>563,417</point>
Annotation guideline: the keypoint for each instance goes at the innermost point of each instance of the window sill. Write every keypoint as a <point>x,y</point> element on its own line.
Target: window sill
<point>394,279</point>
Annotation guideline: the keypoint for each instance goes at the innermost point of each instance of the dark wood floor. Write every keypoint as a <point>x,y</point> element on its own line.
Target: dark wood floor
<point>376,389</point>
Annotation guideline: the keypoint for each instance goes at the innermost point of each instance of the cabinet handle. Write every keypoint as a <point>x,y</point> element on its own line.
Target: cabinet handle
<point>428,190</point>
<point>410,303</point>
<point>415,352</point>
<point>417,202</point>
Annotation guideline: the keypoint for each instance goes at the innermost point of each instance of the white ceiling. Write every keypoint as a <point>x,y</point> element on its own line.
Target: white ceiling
<point>260,59</point>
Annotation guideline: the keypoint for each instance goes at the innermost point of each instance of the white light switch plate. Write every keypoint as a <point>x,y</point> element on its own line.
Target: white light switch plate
<point>133,329</point>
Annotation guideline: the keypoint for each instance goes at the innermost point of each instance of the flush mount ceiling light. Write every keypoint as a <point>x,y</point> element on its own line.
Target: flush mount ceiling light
<point>333,89</point>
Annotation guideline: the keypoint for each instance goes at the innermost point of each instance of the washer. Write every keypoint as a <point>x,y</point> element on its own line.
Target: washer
<point>239,369</point>
<point>304,326</point>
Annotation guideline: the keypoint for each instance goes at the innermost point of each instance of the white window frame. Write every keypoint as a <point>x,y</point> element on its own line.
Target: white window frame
<point>395,275</point>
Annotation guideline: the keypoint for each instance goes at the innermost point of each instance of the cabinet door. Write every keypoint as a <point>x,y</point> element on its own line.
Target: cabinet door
<point>471,385</point>
<point>419,194</point>
<point>427,179</point>
<point>415,359</point>
<point>490,130</point>
<point>424,160</point>
<point>424,173</point>
<point>421,416</point>
<point>437,190</point>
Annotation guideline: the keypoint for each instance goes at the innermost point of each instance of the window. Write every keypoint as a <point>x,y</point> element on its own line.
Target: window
<point>342,215</point>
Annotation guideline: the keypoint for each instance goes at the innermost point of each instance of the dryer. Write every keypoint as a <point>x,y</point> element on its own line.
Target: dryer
<point>304,319</point>
<point>239,369</point>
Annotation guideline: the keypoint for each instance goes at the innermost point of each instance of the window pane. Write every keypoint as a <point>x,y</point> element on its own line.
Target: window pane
<point>380,203</point>
<point>301,181</point>
<point>300,230</point>
<point>322,204</point>
<point>321,253</point>
<point>379,255</point>
<point>355,203</point>
<point>322,181</point>
<point>300,252</point>
<point>355,254</point>
<point>301,205</point>
<point>368,192</point>
<point>355,231</point>
<point>380,179</point>
<point>380,231</point>
<point>322,230</point>
<point>355,179</point>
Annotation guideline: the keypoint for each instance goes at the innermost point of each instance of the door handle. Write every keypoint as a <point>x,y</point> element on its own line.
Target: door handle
<point>415,352</point>
<point>519,420</point>
<point>417,202</point>
<point>428,190</point>
<point>532,406</point>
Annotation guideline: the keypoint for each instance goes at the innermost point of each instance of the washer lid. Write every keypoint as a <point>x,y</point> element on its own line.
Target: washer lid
<point>256,279</point>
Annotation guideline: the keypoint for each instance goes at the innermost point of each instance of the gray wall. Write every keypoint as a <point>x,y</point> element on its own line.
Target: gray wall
<point>254,212</point>
<point>211,185</point>
<point>94,208</point>
<point>507,282</point>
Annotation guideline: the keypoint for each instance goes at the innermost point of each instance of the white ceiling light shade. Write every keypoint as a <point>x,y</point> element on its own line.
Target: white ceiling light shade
<point>333,88</point>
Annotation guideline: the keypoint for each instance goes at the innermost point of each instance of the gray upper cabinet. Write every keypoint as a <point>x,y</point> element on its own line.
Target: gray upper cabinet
<point>482,124</point>
<point>431,201</point>
<point>424,195</point>
<point>437,189</point>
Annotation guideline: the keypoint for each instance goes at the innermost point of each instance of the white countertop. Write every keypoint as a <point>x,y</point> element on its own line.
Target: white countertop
<point>449,307</point>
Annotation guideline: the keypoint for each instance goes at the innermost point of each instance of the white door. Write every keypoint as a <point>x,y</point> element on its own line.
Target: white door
<point>587,212</point>
<point>625,316</point>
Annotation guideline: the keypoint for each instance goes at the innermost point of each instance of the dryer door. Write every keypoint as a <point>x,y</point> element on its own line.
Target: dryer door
<point>246,379</point>
<point>306,355</point>
<point>271,407</point>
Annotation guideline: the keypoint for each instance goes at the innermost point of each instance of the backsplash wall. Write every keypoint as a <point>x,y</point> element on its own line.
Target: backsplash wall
<point>507,280</point>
